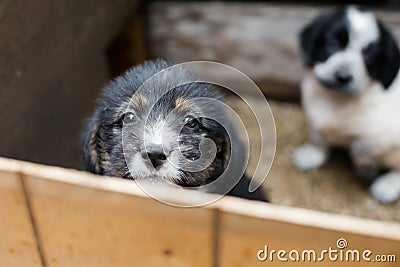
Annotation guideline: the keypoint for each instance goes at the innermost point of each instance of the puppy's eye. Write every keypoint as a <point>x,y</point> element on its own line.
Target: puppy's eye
<point>129,117</point>
<point>369,52</point>
<point>332,45</point>
<point>191,122</point>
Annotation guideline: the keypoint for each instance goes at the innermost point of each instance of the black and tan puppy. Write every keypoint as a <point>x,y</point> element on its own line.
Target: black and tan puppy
<point>153,129</point>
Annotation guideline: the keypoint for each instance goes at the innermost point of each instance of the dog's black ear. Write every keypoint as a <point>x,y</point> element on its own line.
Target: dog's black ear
<point>390,58</point>
<point>310,39</point>
<point>90,146</point>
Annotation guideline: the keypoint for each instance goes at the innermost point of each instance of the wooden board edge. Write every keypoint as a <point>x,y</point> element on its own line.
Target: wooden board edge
<point>177,196</point>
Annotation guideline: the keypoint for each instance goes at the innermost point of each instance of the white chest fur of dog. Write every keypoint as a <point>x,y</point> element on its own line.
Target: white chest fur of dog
<point>369,118</point>
<point>351,96</point>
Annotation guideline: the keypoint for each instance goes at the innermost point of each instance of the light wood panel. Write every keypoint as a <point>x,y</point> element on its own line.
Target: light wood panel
<point>87,227</point>
<point>87,220</point>
<point>246,228</point>
<point>18,245</point>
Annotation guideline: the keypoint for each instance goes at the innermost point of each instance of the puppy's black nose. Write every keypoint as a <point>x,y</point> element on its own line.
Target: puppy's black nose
<point>343,77</point>
<point>155,154</point>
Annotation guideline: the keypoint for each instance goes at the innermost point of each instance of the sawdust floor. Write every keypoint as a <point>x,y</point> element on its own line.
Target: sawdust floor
<point>333,188</point>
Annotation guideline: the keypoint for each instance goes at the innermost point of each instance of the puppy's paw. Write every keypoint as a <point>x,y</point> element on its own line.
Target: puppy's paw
<point>309,157</point>
<point>386,188</point>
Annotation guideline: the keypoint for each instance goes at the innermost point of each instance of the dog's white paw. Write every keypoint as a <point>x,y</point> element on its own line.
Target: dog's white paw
<point>386,188</point>
<point>309,157</point>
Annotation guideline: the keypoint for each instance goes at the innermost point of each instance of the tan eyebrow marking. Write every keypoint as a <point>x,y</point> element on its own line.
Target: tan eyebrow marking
<point>139,100</point>
<point>180,101</point>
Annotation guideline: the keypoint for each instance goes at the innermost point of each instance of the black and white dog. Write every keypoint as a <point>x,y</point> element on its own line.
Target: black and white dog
<point>351,96</point>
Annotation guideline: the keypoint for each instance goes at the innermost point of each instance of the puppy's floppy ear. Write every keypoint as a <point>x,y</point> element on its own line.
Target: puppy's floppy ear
<point>90,146</point>
<point>390,59</point>
<point>309,39</point>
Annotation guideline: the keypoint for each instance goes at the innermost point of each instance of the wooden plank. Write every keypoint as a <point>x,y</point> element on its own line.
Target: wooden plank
<point>52,67</point>
<point>18,245</point>
<point>82,226</point>
<point>245,229</point>
<point>258,39</point>
<point>87,220</point>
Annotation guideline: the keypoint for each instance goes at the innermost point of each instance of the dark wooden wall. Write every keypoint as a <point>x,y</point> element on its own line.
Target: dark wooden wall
<point>52,66</point>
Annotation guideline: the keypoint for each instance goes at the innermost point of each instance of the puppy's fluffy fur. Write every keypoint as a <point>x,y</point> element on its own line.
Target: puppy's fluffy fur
<point>351,96</point>
<point>157,135</point>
